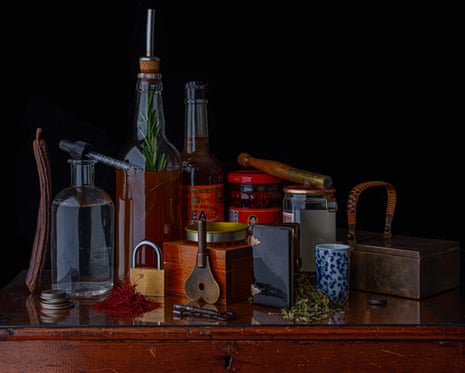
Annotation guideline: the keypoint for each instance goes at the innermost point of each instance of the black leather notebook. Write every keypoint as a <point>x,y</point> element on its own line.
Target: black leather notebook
<point>275,262</point>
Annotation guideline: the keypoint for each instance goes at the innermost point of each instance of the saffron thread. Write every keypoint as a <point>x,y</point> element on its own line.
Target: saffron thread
<point>124,300</point>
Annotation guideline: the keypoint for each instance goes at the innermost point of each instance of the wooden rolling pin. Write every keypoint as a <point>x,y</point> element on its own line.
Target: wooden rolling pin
<point>286,172</point>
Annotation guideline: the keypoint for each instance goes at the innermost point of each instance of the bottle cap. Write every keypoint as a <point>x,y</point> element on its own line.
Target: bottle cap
<point>195,91</point>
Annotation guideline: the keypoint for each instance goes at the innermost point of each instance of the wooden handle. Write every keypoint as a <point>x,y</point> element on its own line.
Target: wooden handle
<point>286,172</point>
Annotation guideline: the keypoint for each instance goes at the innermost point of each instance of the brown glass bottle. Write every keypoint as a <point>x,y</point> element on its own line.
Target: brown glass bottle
<point>202,171</point>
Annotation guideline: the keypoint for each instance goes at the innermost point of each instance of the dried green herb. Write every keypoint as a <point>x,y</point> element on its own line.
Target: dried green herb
<point>310,305</point>
<point>155,159</point>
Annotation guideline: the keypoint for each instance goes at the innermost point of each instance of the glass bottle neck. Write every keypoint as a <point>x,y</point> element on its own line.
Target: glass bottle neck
<point>149,106</point>
<point>82,172</point>
<point>196,118</point>
<point>149,148</point>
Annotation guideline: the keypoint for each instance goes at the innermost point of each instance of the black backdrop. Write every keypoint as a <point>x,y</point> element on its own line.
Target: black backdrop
<point>358,94</point>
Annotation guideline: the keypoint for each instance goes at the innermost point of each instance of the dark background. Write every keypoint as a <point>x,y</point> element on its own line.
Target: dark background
<point>356,93</point>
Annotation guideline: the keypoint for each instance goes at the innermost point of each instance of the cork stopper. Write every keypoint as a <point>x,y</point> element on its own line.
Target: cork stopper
<point>149,63</point>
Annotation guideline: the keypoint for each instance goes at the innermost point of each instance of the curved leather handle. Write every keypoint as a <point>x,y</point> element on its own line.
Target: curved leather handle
<point>352,206</point>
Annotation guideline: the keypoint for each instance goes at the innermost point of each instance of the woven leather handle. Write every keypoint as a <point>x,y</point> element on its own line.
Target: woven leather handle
<point>352,206</point>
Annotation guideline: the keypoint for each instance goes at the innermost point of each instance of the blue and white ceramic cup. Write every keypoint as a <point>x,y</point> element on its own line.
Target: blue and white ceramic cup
<point>332,270</point>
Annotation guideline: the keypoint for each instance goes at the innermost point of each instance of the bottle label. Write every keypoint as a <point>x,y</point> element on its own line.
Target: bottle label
<point>207,198</point>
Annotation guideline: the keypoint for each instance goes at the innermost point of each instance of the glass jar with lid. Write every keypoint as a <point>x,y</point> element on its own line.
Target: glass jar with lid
<point>315,210</point>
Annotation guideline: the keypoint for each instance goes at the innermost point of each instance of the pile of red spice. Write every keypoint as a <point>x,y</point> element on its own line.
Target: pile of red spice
<point>124,300</point>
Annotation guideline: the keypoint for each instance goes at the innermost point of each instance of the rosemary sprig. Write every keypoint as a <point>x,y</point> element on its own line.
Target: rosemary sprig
<point>155,159</point>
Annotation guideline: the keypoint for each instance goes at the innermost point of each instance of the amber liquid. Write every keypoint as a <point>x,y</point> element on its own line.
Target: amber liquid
<point>202,171</point>
<point>200,167</point>
<point>148,207</point>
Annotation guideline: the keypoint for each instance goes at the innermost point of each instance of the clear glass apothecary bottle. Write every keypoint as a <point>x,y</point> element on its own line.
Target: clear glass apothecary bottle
<point>82,235</point>
<point>315,210</point>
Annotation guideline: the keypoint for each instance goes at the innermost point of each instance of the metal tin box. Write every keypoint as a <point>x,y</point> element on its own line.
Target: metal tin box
<point>411,267</point>
<point>406,266</point>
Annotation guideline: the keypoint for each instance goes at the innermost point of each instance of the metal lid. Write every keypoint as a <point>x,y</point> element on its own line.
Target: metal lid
<point>252,177</point>
<point>303,189</point>
<point>219,232</point>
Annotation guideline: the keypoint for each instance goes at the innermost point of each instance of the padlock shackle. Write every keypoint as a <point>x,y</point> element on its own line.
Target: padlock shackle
<point>148,243</point>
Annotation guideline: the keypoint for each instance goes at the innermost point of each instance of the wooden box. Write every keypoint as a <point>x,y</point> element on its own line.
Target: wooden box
<point>231,265</point>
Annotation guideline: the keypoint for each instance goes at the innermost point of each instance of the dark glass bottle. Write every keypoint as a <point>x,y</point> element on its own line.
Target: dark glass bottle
<point>202,171</point>
<point>82,235</point>
<point>148,197</point>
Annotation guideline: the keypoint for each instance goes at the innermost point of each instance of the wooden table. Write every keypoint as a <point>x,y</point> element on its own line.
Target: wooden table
<point>403,336</point>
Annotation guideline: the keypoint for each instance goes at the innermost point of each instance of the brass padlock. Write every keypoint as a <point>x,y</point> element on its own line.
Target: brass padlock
<point>148,281</point>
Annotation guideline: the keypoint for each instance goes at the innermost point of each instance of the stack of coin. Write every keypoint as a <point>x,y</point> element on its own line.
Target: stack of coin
<point>52,299</point>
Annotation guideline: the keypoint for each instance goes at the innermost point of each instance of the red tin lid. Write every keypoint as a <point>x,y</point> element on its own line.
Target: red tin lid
<point>252,177</point>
